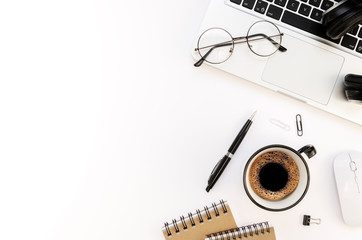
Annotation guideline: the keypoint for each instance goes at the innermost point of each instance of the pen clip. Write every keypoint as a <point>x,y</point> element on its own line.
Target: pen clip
<point>217,171</point>
<point>219,163</point>
<point>214,169</point>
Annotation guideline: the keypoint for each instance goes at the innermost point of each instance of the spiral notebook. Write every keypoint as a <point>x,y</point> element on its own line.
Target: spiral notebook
<point>257,231</point>
<point>196,226</point>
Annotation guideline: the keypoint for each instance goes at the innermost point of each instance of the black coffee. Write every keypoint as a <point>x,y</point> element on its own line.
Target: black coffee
<point>273,176</point>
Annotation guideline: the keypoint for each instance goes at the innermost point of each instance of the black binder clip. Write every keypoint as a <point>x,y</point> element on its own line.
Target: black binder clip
<point>307,220</point>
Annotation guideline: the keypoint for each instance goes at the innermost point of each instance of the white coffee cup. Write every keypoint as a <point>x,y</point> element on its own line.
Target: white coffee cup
<point>304,178</point>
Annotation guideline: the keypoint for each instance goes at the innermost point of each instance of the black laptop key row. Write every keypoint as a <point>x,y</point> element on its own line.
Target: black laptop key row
<point>304,24</point>
<point>302,14</point>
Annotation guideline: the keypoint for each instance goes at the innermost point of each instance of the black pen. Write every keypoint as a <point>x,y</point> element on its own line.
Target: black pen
<point>221,165</point>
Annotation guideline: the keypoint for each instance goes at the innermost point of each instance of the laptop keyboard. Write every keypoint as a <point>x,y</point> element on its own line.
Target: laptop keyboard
<point>305,15</point>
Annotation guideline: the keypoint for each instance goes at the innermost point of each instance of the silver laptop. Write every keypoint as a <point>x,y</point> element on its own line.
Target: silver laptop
<point>312,70</point>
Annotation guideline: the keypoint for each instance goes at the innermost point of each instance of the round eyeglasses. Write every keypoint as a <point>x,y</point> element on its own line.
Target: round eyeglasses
<point>215,45</point>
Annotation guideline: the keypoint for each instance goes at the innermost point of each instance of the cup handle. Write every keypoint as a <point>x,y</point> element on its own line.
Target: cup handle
<point>308,150</point>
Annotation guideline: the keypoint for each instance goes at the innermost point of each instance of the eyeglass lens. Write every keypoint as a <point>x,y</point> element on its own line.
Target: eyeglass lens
<point>215,45</point>
<point>264,38</point>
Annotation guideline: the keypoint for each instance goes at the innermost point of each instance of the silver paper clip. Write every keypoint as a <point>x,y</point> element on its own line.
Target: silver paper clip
<point>298,118</point>
<point>280,124</point>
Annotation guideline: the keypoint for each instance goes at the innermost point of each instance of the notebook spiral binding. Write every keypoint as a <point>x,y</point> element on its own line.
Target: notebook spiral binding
<point>241,232</point>
<point>197,218</point>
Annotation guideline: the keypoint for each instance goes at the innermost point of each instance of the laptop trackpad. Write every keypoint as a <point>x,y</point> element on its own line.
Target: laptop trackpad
<point>304,69</point>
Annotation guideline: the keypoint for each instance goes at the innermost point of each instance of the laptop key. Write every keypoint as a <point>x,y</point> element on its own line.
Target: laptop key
<point>315,3</point>
<point>349,42</point>
<point>261,6</point>
<point>326,4</point>
<point>248,3</point>
<point>305,9</point>
<point>354,31</point>
<point>293,5</point>
<point>236,1</point>
<point>316,14</point>
<point>274,12</point>
<point>280,2</point>
<point>359,47</point>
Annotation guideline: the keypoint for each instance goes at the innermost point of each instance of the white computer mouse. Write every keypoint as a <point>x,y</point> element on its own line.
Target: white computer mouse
<point>348,174</point>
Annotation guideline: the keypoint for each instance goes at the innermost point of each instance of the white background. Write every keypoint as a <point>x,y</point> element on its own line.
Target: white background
<point>107,130</point>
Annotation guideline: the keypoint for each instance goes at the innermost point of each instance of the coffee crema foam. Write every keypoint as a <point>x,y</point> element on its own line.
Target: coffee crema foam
<point>286,162</point>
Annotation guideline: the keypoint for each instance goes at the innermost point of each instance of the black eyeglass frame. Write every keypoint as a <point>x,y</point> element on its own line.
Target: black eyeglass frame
<point>237,40</point>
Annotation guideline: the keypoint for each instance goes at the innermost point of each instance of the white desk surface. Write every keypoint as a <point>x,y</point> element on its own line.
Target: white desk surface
<point>108,131</point>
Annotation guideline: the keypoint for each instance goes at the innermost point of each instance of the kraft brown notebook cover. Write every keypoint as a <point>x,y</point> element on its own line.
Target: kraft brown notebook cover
<point>196,226</point>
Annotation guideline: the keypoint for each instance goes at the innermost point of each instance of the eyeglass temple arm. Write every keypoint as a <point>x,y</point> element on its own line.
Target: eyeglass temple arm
<point>280,48</point>
<point>202,59</point>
